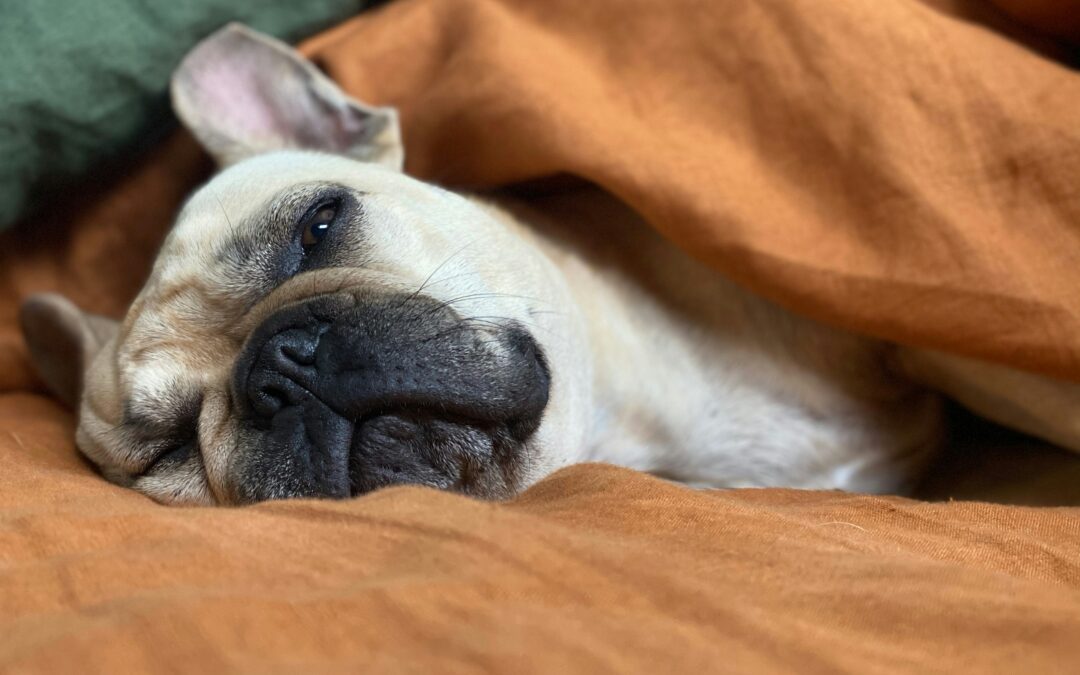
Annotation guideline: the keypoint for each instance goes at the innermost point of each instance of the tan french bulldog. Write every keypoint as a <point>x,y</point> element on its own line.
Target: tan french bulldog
<point>318,324</point>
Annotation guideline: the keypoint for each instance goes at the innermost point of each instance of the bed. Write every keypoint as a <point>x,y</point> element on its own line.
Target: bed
<point>909,170</point>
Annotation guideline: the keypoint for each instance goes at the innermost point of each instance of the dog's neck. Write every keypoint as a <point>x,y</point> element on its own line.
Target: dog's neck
<point>689,372</point>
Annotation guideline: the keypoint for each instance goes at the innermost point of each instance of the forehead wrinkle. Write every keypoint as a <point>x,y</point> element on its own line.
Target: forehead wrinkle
<point>188,322</point>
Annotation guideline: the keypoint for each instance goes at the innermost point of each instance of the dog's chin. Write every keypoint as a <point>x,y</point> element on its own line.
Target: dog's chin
<point>418,448</point>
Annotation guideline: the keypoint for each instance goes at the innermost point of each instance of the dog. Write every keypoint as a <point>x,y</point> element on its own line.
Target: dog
<point>319,325</point>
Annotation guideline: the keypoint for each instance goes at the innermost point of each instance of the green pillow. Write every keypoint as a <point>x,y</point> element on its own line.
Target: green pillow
<point>83,82</point>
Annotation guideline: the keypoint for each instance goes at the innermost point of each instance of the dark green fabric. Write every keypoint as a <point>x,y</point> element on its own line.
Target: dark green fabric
<point>82,82</point>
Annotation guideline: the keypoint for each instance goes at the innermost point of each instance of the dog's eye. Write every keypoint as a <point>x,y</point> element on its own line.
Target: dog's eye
<point>318,225</point>
<point>170,457</point>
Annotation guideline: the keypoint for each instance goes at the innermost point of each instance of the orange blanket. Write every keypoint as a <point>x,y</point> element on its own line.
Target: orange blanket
<point>881,165</point>
<point>897,168</point>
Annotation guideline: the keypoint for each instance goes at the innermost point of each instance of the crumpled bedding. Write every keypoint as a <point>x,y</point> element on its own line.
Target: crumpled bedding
<point>903,169</point>
<point>596,569</point>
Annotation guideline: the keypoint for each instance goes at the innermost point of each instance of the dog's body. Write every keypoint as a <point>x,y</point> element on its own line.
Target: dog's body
<point>318,326</point>
<point>695,379</point>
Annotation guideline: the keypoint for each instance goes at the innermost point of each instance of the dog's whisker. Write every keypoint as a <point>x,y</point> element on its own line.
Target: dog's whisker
<point>443,280</point>
<point>428,281</point>
<point>438,267</point>
<point>221,205</point>
<point>479,296</point>
<point>501,322</point>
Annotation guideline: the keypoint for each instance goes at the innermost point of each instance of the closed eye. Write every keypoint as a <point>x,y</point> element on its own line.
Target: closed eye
<point>165,430</point>
<point>171,456</point>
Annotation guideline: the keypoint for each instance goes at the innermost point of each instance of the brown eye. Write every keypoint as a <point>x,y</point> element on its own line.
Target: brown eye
<point>318,225</point>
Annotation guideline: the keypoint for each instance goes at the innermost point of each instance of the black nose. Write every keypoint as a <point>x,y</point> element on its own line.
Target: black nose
<point>313,373</point>
<point>275,378</point>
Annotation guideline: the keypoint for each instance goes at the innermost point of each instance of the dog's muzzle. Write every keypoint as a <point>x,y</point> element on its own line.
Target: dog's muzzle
<point>343,393</point>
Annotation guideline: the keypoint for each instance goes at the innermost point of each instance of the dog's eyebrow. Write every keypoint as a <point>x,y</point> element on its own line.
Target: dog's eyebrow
<point>166,416</point>
<point>276,224</point>
<point>258,251</point>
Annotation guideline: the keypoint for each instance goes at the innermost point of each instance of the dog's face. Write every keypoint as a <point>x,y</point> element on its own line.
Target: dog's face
<point>318,325</point>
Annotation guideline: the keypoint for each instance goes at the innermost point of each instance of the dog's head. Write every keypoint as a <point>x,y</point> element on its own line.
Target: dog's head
<point>318,324</point>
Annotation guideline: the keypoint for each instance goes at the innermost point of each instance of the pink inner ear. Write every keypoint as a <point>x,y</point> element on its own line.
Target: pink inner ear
<point>230,94</point>
<point>242,94</point>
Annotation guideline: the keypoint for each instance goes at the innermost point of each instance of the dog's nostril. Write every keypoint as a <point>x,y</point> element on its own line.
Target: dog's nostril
<point>296,346</point>
<point>269,393</point>
<point>281,370</point>
<point>267,401</point>
<point>302,352</point>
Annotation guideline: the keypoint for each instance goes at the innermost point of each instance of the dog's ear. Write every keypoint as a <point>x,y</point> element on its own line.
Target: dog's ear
<point>62,340</point>
<point>241,93</point>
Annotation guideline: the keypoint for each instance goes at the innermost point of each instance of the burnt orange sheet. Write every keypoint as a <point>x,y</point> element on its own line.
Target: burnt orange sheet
<point>596,569</point>
<point>903,168</point>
